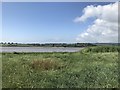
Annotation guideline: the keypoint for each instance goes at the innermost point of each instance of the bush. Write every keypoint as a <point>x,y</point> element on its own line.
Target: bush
<point>15,53</point>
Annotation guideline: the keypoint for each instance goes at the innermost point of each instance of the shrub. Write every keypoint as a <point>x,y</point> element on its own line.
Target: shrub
<point>15,53</point>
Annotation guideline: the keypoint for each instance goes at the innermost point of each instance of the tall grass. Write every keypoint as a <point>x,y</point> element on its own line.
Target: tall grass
<point>102,49</point>
<point>60,70</point>
<point>46,64</point>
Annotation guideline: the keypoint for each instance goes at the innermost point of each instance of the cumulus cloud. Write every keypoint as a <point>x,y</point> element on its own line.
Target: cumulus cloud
<point>105,26</point>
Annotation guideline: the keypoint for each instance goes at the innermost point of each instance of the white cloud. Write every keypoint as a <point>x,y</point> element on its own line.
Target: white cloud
<point>105,26</point>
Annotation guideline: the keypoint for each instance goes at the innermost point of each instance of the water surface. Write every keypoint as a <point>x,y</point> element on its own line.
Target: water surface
<point>39,49</point>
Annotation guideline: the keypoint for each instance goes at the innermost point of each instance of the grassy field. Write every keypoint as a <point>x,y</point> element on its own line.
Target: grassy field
<point>89,68</point>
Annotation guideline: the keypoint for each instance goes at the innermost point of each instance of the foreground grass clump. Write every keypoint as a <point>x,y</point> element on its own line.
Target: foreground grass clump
<point>60,70</point>
<point>46,64</point>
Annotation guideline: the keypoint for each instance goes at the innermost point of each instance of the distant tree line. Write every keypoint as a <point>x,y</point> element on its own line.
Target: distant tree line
<point>48,44</point>
<point>63,45</point>
<point>8,43</point>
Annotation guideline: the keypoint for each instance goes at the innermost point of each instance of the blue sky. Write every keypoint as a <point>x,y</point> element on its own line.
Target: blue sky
<point>43,22</point>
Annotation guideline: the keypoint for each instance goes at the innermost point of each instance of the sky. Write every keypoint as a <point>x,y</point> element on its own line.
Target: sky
<point>59,22</point>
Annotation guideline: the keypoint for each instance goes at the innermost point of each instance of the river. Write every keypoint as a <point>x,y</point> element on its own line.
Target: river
<point>39,49</point>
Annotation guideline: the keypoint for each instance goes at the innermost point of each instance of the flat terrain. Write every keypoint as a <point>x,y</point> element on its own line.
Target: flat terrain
<point>95,67</point>
<point>40,49</point>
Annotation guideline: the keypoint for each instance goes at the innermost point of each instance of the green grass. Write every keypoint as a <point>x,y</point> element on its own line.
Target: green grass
<point>60,70</point>
<point>102,49</point>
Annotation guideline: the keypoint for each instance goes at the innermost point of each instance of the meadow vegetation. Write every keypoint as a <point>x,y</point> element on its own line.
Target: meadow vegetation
<point>93,67</point>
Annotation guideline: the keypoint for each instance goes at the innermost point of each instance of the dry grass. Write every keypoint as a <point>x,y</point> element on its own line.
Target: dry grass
<point>46,64</point>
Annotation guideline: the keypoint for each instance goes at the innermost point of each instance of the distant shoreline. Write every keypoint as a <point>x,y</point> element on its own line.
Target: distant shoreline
<point>57,45</point>
<point>46,45</point>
